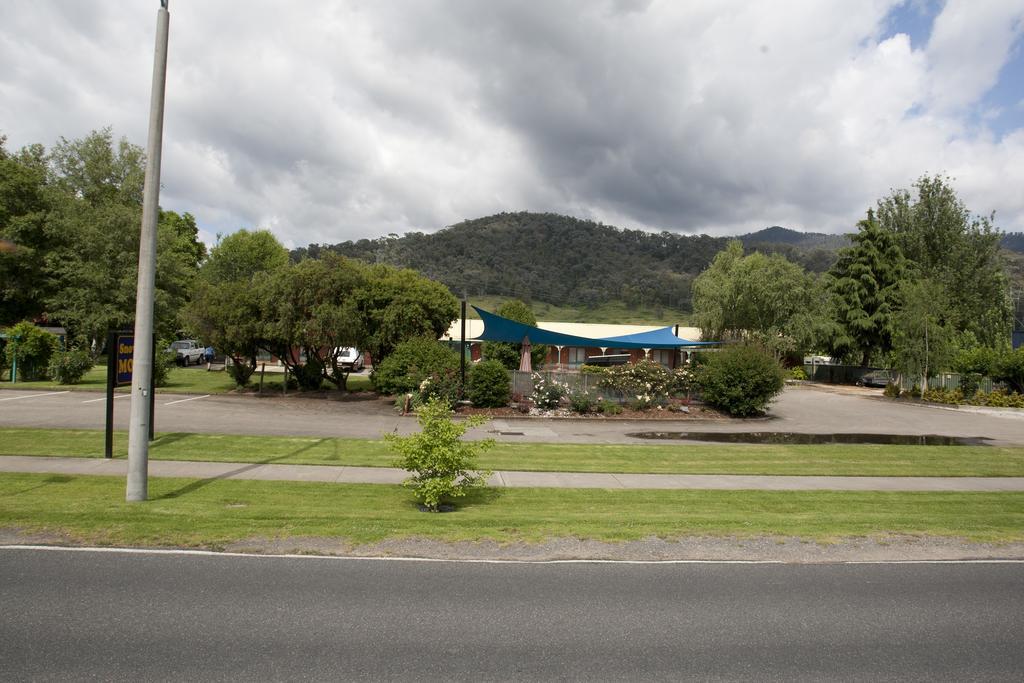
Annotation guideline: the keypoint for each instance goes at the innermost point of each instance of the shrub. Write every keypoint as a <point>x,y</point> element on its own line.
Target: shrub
<point>547,394</point>
<point>410,363</point>
<point>488,385</point>
<point>241,373</point>
<point>798,373</point>
<point>740,379</point>
<point>970,382</point>
<point>912,392</point>
<point>508,355</point>
<point>608,407</point>
<point>581,402</point>
<point>163,361</point>
<point>442,386</point>
<point>998,399</point>
<point>33,348</point>
<point>310,375</point>
<point>940,395</point>
<point>642,402</point>
<point>642,378</point>
<point>68,367</point>
<point>892,390</point>
<point>443,467</point>
<point>1010,369</point>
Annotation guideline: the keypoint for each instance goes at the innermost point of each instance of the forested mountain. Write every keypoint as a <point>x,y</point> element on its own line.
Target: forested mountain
<point>1013,241</point>
<point>559,259</point>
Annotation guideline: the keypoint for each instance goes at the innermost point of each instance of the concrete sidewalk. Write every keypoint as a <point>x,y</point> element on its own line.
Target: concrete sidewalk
<point>577,480</point>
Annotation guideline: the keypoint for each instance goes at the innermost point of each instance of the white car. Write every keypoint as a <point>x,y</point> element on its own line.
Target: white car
<point>188,351</point>
<point>350,358</point>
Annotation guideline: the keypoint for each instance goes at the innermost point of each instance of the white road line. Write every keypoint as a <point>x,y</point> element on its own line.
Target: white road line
<point>390,558</point>
<point>51,393</point>
<point>94,400</point>
<point>194,398</point>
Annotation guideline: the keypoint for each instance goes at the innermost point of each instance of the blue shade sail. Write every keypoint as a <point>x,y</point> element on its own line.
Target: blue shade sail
<point>500,329</point>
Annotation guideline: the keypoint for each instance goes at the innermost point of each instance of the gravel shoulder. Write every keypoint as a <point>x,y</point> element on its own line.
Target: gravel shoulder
<point>883,548</point>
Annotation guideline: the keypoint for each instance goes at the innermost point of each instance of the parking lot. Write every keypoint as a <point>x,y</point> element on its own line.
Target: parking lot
<point>805,409</point>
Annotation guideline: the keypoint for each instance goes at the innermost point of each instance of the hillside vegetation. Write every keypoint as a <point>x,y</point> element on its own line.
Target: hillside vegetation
<point>567,262</point>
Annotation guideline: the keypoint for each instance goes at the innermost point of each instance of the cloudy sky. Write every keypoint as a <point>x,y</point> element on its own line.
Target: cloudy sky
<point>333,120</point>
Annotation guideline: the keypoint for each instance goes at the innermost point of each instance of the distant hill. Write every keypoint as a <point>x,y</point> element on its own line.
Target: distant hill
<point>776,235</point>
<point>1013,241</point>
<point>567,261</point>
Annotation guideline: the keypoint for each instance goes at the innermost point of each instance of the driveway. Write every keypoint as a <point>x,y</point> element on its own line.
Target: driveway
<point>804,409</point>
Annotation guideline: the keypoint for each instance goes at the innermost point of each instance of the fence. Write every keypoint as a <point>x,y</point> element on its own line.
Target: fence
<point>849,374</point>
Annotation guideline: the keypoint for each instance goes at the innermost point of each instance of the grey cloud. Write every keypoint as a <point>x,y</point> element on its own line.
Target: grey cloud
<point>341,120</point>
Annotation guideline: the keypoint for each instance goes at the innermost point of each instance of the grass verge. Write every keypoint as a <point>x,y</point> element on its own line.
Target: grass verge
<point>214,513</point>
<point>195,380</point>
<point>832,459</point>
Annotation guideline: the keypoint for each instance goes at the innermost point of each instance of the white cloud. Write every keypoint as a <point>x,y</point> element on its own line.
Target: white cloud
<point>343,120</point>
<point>970,42</point>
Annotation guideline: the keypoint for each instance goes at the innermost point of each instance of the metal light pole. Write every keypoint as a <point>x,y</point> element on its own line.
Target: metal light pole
<point>142,366</point>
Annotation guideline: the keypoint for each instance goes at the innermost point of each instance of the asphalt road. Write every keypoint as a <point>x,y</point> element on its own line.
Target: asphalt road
<point>796,410</point>
<point>72,615</point>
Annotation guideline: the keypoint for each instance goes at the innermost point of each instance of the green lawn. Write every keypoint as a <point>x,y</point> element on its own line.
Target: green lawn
<point>195,380</point>
<point>835,459</point>
<point>212,513</point>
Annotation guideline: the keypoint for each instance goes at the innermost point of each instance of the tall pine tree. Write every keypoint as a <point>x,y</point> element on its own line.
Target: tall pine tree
<point>864,285</point>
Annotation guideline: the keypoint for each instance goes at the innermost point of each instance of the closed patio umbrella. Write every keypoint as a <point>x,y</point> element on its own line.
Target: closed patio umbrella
<point>525,361</point>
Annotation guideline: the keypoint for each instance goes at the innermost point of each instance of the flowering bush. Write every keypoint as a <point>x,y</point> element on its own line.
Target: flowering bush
<point>442,386</point>
<point>547,394</point>
<point>642,402</point>
<point>643,377</point>
<point>683,380</point>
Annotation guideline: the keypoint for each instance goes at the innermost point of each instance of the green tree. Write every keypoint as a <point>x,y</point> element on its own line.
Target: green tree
<point>864,287</point>
<point>759,296</point>
<point>944,242</point>
<point>923,339</point>
<point>24,281</point>
<point>396,304</point>
<point>240,255</point>
<point>1009,368</point>
<point>226,309</point>
<point>312,307</point>
<point>92,227</point>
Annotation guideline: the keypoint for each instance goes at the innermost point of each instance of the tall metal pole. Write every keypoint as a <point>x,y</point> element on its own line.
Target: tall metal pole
<point>462,352</point>
<point>142,366</point>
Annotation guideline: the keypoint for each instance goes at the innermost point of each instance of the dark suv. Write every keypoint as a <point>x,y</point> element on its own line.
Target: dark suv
<point>876,378</point>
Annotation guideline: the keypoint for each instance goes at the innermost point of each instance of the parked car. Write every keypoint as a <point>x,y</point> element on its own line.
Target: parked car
<point>876,378</point>
<point>351,359</point>
<point>187,352</point>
